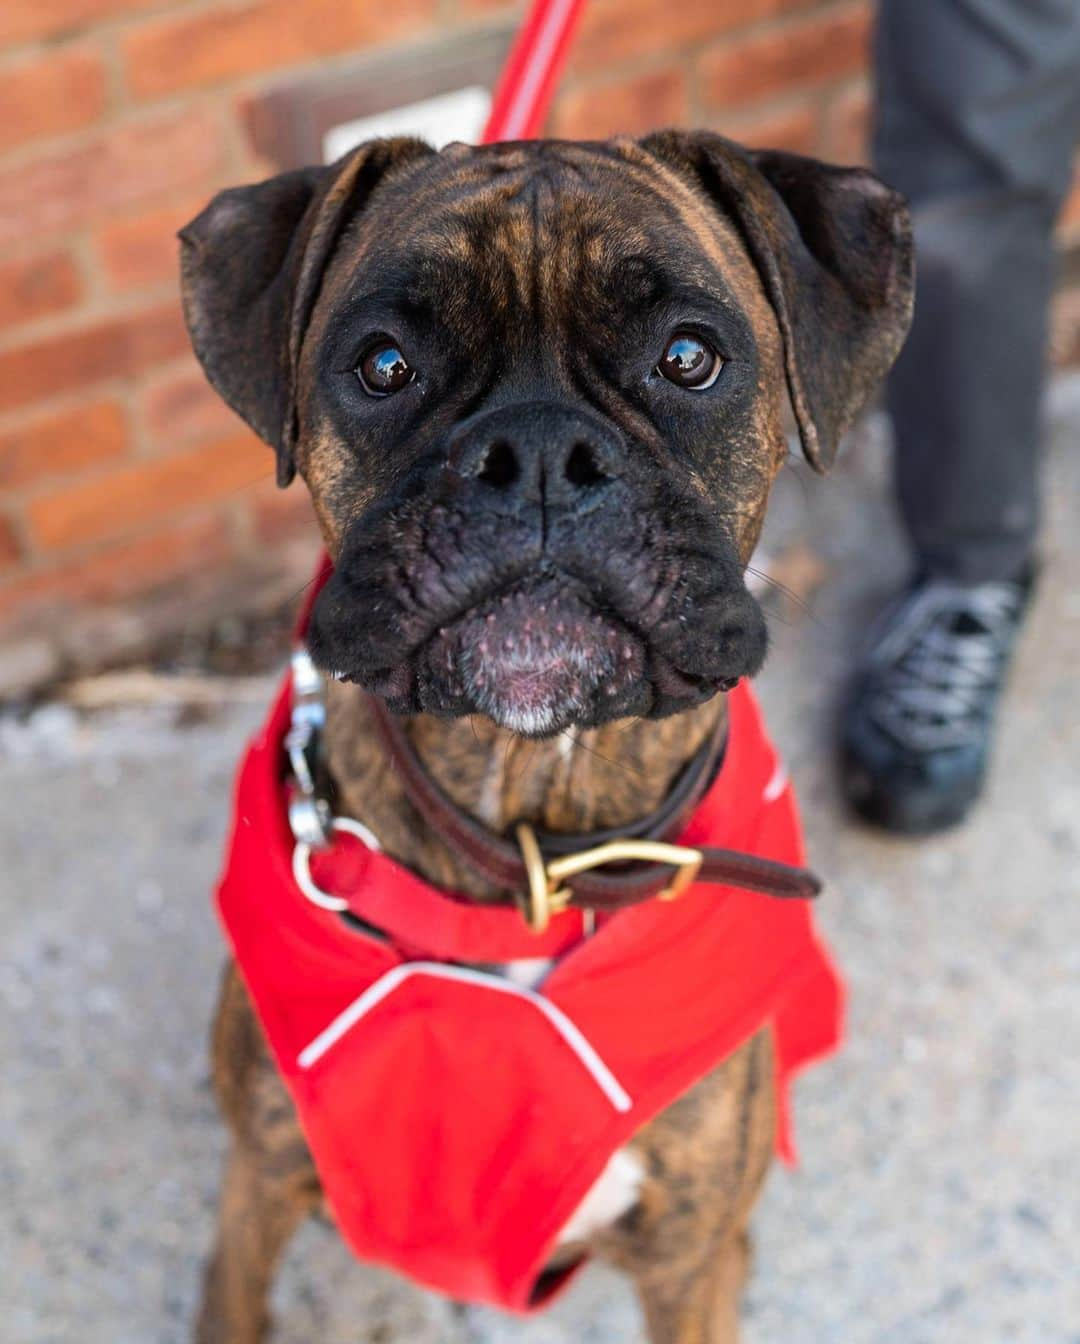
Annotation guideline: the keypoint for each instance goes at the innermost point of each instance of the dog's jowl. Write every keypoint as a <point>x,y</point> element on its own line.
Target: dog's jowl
<point>536,392</point>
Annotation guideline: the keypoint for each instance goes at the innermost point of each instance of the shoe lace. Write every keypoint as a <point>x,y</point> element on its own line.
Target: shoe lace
<point>940,667</point>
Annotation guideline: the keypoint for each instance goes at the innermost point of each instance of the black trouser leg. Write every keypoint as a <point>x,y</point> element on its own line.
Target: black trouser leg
<point>978,114</point>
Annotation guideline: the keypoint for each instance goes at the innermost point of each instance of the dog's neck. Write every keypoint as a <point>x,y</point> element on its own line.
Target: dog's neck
<point>579,781</point>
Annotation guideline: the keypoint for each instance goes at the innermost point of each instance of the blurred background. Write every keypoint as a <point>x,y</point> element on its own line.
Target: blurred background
<point>148,571</point>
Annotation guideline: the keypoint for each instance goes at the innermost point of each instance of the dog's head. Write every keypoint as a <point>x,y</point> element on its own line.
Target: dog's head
<point>536,392</point>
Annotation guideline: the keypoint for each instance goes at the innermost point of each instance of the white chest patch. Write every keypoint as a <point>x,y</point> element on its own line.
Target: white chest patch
<point>615,1193</point>
<point>527,973</point>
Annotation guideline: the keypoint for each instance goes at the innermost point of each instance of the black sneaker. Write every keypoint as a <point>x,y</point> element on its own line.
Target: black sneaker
<point>917,730</point>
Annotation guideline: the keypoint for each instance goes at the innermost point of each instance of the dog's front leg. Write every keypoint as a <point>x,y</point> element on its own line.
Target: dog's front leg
<point>269,1184</point>
<point>257,1214</point>
<point>685,1245</point>
<point>703,1309</point>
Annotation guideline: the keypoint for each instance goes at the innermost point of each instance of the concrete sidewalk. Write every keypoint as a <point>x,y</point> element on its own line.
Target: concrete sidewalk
<point>939,1201</point>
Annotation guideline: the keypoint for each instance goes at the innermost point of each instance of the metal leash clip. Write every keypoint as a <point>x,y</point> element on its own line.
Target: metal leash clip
<point>312,822</point>
<point>309,813</point>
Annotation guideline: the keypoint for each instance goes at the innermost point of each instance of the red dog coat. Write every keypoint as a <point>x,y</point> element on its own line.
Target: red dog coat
<point>457,1121</point>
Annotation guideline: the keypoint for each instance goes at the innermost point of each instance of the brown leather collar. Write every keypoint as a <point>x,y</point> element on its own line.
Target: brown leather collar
<point>501,862</point>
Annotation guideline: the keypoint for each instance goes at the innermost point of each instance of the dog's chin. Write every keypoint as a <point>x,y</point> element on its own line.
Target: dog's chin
<point>544,656</point>
<point>535,663</point>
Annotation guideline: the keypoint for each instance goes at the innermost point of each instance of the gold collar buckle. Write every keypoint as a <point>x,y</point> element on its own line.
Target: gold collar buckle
<point>547,896</point>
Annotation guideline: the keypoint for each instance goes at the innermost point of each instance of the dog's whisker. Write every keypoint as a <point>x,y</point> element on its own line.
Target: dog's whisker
<point>529,761</point>
<point>246,485</point>
<point>789,593</point>
<point>609,760</point>
<point>803,474</point>
<point>300,591</point>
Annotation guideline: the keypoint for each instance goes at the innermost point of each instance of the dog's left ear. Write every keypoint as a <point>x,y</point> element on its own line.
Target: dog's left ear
<point>251,265</point>
<point>833,249</point>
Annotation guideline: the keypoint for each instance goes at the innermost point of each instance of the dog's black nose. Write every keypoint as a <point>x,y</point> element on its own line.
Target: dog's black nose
<point>537,453</point>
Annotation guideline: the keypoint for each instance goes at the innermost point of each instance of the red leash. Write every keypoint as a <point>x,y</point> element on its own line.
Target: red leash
<point>532,70</point>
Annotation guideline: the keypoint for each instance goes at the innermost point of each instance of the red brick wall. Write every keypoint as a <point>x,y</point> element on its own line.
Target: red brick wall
<point>119,470</point>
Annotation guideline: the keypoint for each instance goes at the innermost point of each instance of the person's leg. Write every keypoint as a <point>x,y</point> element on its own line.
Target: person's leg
<point>978,113</point>
<point>978,107</point>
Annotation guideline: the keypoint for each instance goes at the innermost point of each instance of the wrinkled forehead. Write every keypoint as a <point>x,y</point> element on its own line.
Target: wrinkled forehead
<point>544,227</point>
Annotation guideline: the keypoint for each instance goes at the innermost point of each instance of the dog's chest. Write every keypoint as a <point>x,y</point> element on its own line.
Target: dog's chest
<point>619,1186</point>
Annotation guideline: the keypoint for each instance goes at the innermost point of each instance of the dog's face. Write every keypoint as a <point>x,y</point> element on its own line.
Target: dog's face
<point>536,392</point>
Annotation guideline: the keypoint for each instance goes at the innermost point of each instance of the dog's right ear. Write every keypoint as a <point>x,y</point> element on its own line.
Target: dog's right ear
<point>251,266</point>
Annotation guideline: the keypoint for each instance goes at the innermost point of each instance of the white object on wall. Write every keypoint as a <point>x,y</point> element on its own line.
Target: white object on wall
<point>459,115</point>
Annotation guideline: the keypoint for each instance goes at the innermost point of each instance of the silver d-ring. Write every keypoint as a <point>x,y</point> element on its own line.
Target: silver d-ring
<point>301,863</point>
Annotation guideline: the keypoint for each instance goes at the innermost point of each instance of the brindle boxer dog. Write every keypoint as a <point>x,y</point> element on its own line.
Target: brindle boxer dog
<point>536,392</point>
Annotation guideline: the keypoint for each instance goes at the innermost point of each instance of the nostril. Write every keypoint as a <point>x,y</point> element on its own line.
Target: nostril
<point>501,468</point>
<point>581,469</point>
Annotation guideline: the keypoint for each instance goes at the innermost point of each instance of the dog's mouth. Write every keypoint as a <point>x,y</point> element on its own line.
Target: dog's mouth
<point>535,660</point>
<point>543,655</point>
<point>456,613</point>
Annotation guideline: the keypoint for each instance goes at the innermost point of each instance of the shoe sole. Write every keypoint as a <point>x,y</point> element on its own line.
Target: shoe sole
<point>902,813</point>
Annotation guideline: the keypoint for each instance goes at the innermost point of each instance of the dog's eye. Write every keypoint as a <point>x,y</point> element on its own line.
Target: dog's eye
<point>690,362</point>
<point>384,369</point>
